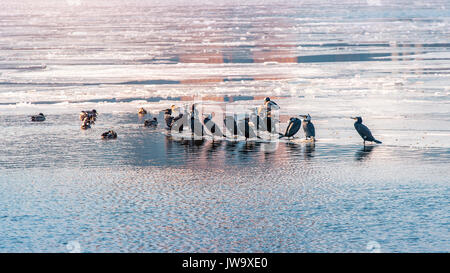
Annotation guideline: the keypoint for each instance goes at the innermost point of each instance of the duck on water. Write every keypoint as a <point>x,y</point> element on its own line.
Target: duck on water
<point>86,124</point>
<point>39,117</point>
<point>92,115</point>
<point>109,135</point>
<point>151,122</point>
<point>142,111</point>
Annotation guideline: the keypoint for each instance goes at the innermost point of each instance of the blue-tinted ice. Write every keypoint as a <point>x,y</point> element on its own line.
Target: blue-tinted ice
<point>148,191</point>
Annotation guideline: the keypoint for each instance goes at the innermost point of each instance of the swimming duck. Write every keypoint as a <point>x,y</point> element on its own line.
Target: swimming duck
<point>92,115</point>
<point>109,135</point>
<point>39,117</point>
<point>86,124</point>
<point>151,122</point>
<point>142,111</point>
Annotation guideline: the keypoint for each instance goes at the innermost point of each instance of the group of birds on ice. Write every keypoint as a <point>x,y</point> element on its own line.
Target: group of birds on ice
<point>261,120</point>
<point>87,118</point>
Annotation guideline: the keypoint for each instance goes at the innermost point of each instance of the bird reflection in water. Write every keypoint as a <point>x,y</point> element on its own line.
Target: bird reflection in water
<point>249,147</point>
<point>310,149</point>
<point>248,151</point>
<point>293,149</point>
<point>204,150</point>
<point>306,150</point>
<point>269,147</point>
<point>231,146</point>
<point>232,151</point>
<point>212,148</point>
<point>191,145</point>
<point>363,153</point>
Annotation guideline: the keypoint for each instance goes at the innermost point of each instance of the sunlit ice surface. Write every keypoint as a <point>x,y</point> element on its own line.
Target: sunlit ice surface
<point>149,191</point>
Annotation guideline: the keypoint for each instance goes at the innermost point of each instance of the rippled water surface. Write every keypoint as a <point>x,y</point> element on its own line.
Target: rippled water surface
<point>152,191</point>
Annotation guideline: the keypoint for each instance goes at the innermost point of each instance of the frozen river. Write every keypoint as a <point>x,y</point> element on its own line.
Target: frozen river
<point>148,191</point>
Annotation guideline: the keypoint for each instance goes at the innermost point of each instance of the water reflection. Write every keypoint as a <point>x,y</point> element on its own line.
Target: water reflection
<point>259,55</point>
<point>141,146</point>
<point>248,148</point>
<point>364,153</point>
<point>310,149</point>
<point>221,153</point>
<point>212,148</point>
<point>192,145</point>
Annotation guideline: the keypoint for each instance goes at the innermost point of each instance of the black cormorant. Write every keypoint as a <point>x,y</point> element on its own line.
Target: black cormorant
<point>293,127</point>
<point>231,124</point>
<point>266,110</point>
<point>363,131</point>
<point>212,126</point>
<point>246,130</point>
<point>308,127</point>
<point>178,122</point>
<point>196,126</point>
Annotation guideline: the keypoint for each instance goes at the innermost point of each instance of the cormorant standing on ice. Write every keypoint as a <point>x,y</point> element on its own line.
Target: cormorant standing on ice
<point>363,131</point>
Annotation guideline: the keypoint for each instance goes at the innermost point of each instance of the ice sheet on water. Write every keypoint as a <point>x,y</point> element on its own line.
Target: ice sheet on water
<point>332,60</point>
<point>385,63</point>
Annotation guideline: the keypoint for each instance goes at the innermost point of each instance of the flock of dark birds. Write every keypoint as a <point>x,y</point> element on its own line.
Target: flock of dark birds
<point>261,120</point>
